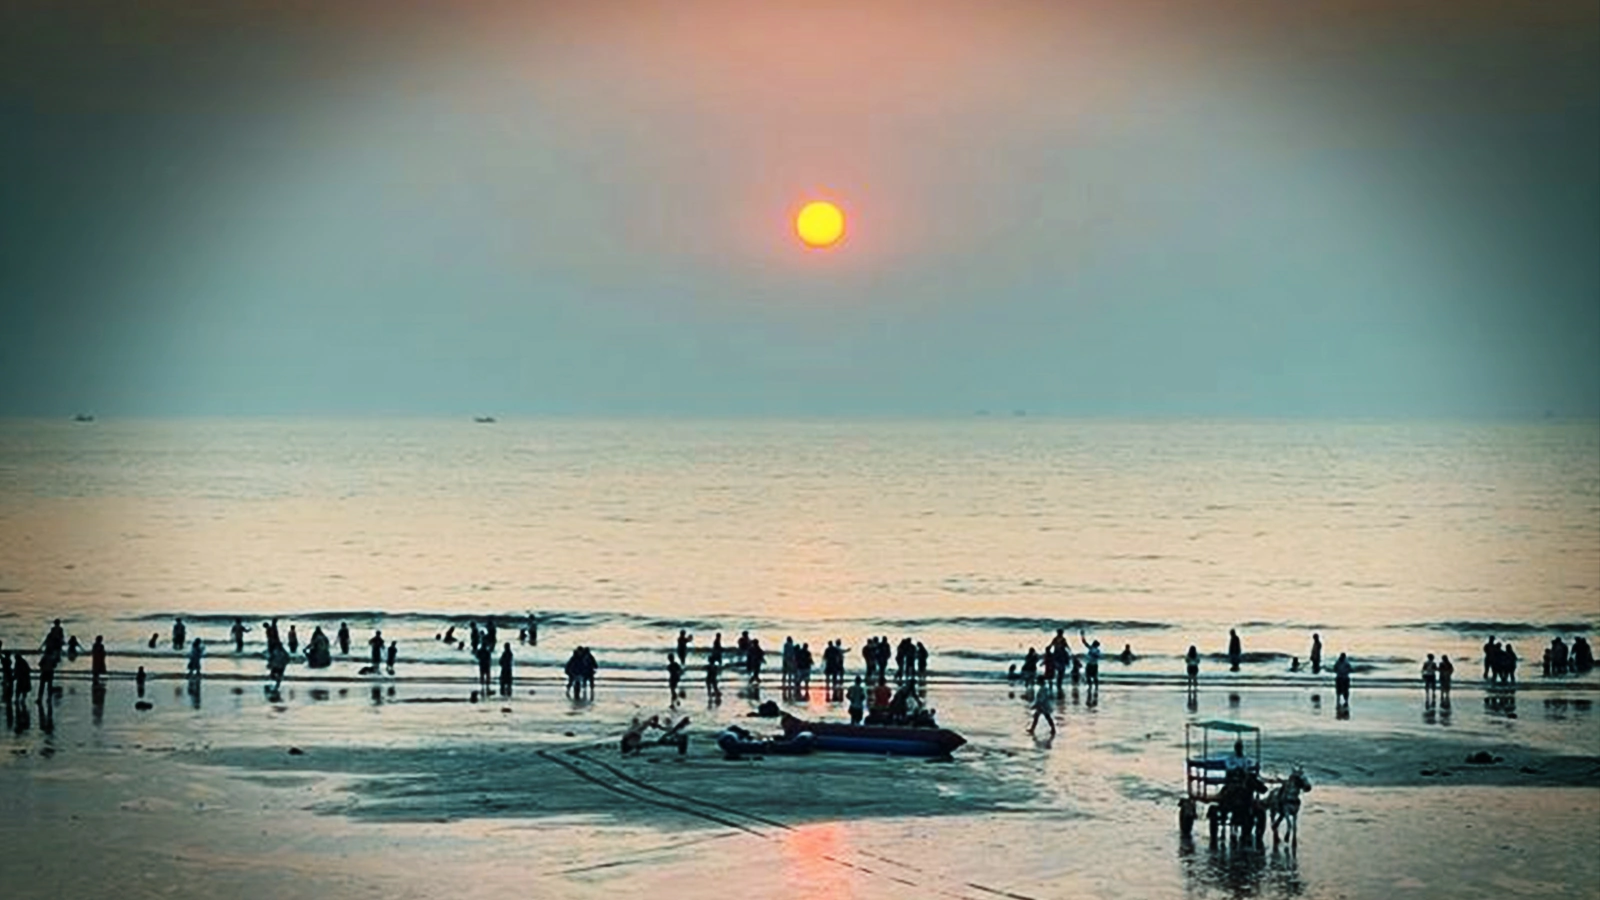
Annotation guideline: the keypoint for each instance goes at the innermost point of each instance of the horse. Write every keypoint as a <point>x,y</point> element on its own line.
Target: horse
<point>1283,804</point>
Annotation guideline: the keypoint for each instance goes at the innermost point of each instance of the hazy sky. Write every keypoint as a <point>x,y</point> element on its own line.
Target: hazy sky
<point>1328,207</point>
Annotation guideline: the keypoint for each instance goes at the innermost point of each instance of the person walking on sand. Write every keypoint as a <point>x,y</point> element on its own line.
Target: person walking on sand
<point>1235,650</point>
<point>1446,670</point>
<point>505,670</point>
<point>1341,681</point>
<point>1316,653</point>
<point>856,696</point>
<point>1042,707</point>
<point>1430,675</point>
<point>195,650</point>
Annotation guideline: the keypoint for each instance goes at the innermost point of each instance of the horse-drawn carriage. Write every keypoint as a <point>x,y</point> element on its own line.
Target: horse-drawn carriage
<point>1222,769</point>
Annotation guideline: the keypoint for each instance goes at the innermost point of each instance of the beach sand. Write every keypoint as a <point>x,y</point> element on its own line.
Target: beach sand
<point>417,792</point>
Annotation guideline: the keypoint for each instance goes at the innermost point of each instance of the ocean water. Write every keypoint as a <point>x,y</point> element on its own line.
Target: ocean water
<point>978,537</point>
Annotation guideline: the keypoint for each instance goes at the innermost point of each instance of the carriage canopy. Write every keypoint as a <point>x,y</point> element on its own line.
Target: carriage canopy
<point>1206,747</point>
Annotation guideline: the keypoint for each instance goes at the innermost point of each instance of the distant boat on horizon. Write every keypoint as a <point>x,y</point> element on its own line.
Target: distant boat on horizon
<point>484,420</point>
<point>83,417</point>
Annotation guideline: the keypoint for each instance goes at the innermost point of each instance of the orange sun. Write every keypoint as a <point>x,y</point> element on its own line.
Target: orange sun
<point>819,224</point>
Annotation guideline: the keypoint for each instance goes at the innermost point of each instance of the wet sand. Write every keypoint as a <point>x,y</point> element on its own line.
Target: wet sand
<point>417,792</point>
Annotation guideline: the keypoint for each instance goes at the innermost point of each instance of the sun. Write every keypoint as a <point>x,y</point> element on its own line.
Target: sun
<point>819,224</point>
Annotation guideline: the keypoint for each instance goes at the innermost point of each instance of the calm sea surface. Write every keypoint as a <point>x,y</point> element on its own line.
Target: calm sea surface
<point>978,537</point>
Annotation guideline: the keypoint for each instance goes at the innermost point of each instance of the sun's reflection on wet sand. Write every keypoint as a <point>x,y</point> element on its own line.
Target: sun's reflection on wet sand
<point>813,859</point>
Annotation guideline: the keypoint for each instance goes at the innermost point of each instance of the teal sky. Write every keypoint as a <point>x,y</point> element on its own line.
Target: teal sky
<point>1071,208</point>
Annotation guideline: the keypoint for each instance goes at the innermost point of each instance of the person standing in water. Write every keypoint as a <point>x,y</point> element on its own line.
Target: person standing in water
<point>177,634</point>
<point>533,630</point>
<point>484,654</point>
<point>1341,681</point>
<point>1192,665</point>
<point>1446,670</point>
<point>674,676</point>
<point>505,670</point>
<point>344,638</point>
<point>195,650</point>
<point>377,644</point>
<point>713,669</point>
<point>238,635</point>
<point>394,653</point>
<point>1316,653</point>
<point>97,658</point>
<point>1235,650</point>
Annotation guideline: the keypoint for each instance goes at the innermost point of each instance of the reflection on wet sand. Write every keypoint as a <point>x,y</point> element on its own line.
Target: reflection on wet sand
<point>812,857</point>
<point>1242,869</point>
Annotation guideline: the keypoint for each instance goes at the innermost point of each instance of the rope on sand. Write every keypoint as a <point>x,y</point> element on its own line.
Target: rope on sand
<point>690,805</point>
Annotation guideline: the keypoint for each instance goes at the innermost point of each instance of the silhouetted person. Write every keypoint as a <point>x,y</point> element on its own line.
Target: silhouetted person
<point>485,656</point>
<point>1235,650</point>
<point>376,642</point>
<point>277,664</point>
<point>533,630</point>
<point>178,632</point>
<point>73,648</point>
<point>683,645</point>
<point>856,696</point>
<point>22,680</point>
<point>393,654</point>
<point>155,637</point>
<point>1446,670</point>
<point>344,638</point>
<point>294,641</point>
<point>55,640</point>
<point>1316,653</point>
<point>505,671</point>
<point>138,681</point>
<point>1192,665</point>
<point>238,631</point>
<point>674,676</point>
<point>1042,707</point>
<point>1341,681</point>
<point>1430,676</point>
<point>47,676</point>
<point>195,650</point>
<point>97,658</point>
<point>713,669</point>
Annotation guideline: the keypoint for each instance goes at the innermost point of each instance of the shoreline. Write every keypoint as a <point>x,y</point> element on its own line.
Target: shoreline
<point>407,796</point>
